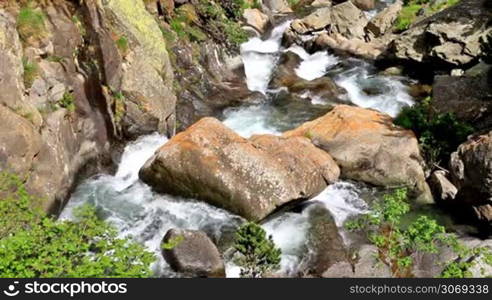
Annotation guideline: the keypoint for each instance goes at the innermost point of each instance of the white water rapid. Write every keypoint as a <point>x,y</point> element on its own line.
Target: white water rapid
<point>136,211</point>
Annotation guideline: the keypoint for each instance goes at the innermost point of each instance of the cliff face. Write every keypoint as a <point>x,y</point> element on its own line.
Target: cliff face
<point>79,78</point>
<point>74,80</point>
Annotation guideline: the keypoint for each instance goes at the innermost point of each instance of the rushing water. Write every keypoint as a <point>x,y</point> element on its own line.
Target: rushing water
<point>137,211</point>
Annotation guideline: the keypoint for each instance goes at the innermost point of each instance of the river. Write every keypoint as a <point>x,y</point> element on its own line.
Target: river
<point>136,211</point>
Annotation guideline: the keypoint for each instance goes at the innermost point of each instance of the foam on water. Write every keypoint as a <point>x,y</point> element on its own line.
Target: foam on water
<point>260,58</point>
<point>136,211</point>
<point>388,95</point>
<point>314,65</point>
<point>250,120</point>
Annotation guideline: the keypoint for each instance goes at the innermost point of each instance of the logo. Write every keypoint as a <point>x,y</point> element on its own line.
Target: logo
<point>11,291</point>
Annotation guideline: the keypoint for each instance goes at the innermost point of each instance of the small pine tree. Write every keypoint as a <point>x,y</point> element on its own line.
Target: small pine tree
<point>257,252</point>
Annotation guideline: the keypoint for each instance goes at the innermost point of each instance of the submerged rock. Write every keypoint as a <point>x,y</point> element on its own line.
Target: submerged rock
<point>368,147</point>
<point>192,253</point>
<point>471,172</point>
<point>251,178</point>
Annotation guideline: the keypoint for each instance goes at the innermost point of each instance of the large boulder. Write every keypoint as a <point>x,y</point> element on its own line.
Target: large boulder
<point>193,253</point>
<point>451,37</point>
<point>368,147</point>
<point>471,171</point>
<point>251,178</point>
<point>468,97</point>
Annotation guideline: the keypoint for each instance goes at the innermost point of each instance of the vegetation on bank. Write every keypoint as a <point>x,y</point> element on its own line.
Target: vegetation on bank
<point>439,134</point>
<point>31,22</point>
<point>413,9</point>
<point>192,22</point>
<point>33,244</point>
<point>258,255</point>
<point>398,241</point>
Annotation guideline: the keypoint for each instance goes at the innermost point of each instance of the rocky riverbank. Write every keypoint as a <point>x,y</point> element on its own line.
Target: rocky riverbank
<point>267,111</point>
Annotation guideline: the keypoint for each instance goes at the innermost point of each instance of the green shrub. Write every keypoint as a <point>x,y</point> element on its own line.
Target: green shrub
<point>257,252</point>
<point>411,8</point>
<point>235,34</point>
<point>34,245</point>
<point>439,134</point>
<point>30,23</point>
<point>67,101</point>
<point>397,242</point>
<point>122,44</point>
<point>407,16</point>
<point>31,72</point>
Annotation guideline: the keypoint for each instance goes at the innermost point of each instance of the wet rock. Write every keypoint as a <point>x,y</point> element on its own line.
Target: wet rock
<point>467,97</point>
<point>450,37</point>
<point>285,76</point>
<point>208,80</point>
<point>441,187</point>
<point>368,147</point>
<point>193,254</point>
<point>324,241</point>
<point>251,178</point>
<point>471,170</point>
<point>255,18</point>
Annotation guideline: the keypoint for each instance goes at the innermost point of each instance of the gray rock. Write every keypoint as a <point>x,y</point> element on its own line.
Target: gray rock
<point>193,253</point>
<point>384,20</point>
<point>277,6</point>
<point>369,266</point>
<point>467,97</point>
<point>450,37</point>
<point>324,241</point>
<point>442,188</point>
<point>471,172</point>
